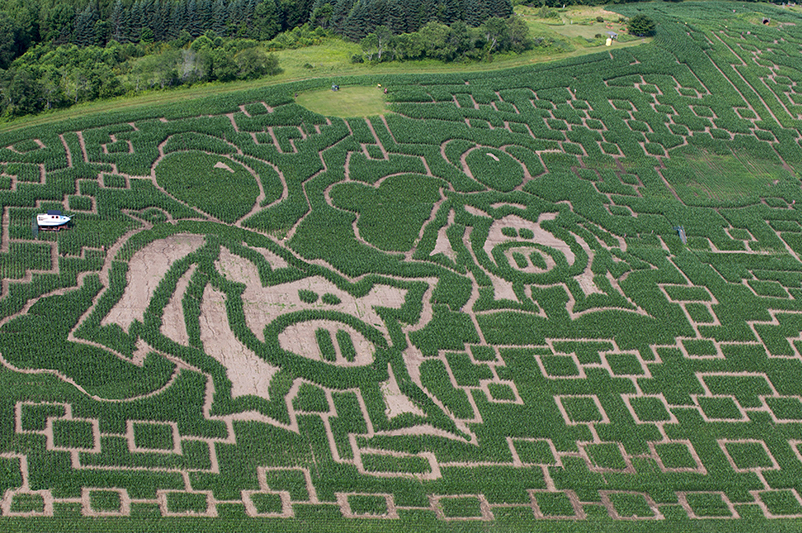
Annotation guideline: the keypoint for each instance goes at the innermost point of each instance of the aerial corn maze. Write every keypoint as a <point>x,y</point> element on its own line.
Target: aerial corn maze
<point>563,297</point>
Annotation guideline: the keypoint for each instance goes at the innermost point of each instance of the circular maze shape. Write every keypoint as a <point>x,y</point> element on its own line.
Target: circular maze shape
<point>212,183</point>
<point>494,168</point>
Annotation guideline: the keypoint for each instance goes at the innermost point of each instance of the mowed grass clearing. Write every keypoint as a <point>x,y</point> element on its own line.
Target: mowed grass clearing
<point>348,102</point>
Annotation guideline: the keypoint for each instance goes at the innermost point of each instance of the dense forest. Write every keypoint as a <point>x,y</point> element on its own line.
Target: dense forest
<point>24,23</point>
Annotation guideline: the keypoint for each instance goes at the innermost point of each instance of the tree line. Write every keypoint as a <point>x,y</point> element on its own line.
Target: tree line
<point>449,43</point>
<point>50,76</point>
<point>25,23</point>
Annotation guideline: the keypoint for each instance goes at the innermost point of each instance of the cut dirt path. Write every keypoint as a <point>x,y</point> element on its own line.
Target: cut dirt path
<point>146,269</point>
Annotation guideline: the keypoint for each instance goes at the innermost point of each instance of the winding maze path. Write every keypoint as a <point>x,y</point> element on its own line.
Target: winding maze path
<point>476,308</point>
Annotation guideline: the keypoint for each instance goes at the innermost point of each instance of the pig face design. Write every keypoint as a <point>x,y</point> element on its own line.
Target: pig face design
<point>258,321</point>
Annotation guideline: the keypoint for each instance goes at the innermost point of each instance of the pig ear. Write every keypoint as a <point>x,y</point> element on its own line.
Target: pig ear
<point>386,296</point>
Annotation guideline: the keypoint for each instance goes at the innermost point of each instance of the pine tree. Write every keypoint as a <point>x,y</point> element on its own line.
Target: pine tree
<point>305,7</point>
<point>426,12</point>
<point>394,17</point>
<point>340,13</point>
<point>476,12</point>
<point>84,32</point>
<point>135,26</point>
<point>148,14</point>
<point>448,11</point>
<point>193,24</point>
<point>174,21</point>
<point>158,20</point>
<point>205,15</point>
<point>354,26</point>
<point>266,20</point>
<point>290,14</point>
<point>116,20</point>
<point>219,13</point>
<point>125,25</point>
<point>232,17</point>
<point>499,8</point>
<point>376,10</point>
<point>410,9</point>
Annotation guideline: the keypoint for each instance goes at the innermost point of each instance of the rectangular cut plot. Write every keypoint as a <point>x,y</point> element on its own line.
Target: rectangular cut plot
<point>676,456</point>
<point>105,502</point>
<point>388,464</point>
<point>186,503</point>
<point>367,505</point>
<point>295,481</point>
<point>27,503</point>
<point>629,505</point>
<point>784,409</point>
<point>747,388</point>
<point>581,409</point>
<point>783,503</point>
<point>720,408</point>
<point>462,507</point>
<point>651,408</point>
<point>748,455</point>
<point>560,366</point>
<point>73,434</point>
<point>534,452</point>
<point>556,505</point>
<point>267,504</point>
<point>707,504</point>
<point>146,436</point>
<point>606,457</point>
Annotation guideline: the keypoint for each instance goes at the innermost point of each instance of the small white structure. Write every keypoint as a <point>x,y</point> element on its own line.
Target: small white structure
<point>52,221</point>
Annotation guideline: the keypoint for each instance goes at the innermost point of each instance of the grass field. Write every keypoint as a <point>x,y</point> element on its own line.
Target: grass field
<point>351,101</point>
<point>559,297</point>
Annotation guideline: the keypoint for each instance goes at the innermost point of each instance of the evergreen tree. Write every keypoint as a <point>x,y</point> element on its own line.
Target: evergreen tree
<point>158,21</point>
<point>290,14</point>
<point>340,13</point>
<point>394,17</point>
<point>61,23</point>
<point>193,23</point>
<point>499,8</point>
<point>426,12</point>
<point>305,7</point>
<point>375,15</point>
<point>233,18</point>
<point>448,11</point>
<point>148,14</point>
<point>266,20</point>
<point>125,25</point>
<point>219,14</point>
<point>354,25</point>
<point>175,19</point>
<point>102,31</point>
<point>321,16</point>
<point>641,25</point>
<point>84,32</point>
<point>205,15</point>
<point>476,12</point>
<point>116,19</point>
<point>410,9</point>
<point>135,26</point>
<point>250,10</point>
